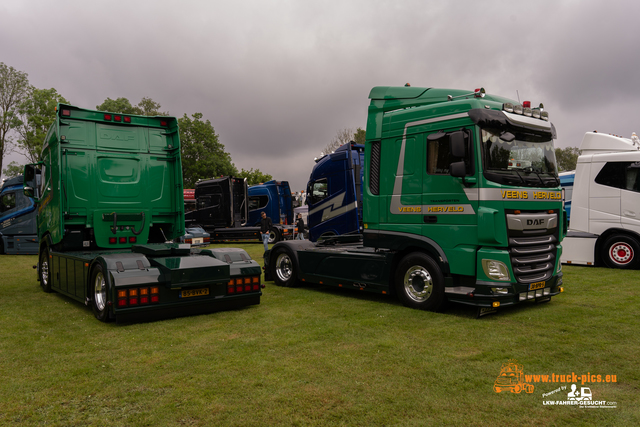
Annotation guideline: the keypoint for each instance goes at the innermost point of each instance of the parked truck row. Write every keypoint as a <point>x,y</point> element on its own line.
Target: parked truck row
<point>229,210</point>
<point>436,211</point>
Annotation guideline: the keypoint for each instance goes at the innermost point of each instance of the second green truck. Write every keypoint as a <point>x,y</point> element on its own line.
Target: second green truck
<point>447,212</point>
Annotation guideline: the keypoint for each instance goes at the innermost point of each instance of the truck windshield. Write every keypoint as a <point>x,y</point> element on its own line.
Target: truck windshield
<point>527,160</point>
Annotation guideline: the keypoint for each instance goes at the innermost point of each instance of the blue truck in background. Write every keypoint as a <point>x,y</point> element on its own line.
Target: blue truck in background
<point>18,232</point>
<point>334,193</point>
<point>566,181</point>
<point>274,198</point>
<point>229,210</point>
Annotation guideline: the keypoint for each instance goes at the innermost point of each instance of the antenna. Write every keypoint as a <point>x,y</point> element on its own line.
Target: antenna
<point>518,95</point>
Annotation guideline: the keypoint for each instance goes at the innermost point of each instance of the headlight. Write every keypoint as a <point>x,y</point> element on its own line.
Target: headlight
<point>495,270</point>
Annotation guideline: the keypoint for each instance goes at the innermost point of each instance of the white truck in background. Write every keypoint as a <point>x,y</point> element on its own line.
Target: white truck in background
<point>605,204</point>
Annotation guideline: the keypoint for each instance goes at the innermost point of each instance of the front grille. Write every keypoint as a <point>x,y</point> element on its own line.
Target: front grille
<point>533,258</point>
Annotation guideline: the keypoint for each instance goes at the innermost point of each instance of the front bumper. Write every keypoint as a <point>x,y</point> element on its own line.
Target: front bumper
<point>484,293</point>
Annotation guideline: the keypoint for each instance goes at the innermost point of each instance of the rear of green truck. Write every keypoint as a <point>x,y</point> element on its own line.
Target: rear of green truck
<point>110,206</point>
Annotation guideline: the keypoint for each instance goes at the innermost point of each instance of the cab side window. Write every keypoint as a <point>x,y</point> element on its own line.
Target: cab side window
<point>318,191</point>
<point>7,202</point>
<point>438,157</point>
<point>257,202</point>
<point>622,175</point>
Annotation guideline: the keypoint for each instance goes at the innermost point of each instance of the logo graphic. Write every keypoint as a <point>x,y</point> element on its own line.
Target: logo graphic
<point>512,378</point>
<point>583,394</point>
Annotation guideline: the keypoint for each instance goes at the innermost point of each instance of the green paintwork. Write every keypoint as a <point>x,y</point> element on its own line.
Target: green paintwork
<point>111,196</point>
<point>456,221</point>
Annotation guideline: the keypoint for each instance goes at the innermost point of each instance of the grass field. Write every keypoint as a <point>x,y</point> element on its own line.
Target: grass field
<point>316,356</point>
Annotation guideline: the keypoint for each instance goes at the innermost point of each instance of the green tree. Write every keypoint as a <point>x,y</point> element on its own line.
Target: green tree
<point>360,136</point>
<point>37,112</point>
<point>146,107</point>
<point>120,105</point>
<point>254,176</point>
<point>14,86</point>
<point>203,155</point>
<point>344,136</point>
<point>567,158</point>
<point>149,107</point>
<point>12,170</point>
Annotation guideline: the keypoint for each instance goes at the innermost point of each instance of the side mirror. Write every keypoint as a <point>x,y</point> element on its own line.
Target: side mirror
<point>507,136</point>
<point>458,169</point>
<point>457,144</point>
<point>30,188</point>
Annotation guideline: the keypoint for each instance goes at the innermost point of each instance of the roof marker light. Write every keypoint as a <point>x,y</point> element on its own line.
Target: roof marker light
<point>526,104</point>
<point>127,119</point>
<point>479,93</point>
<point>66,113</point>
<point>117,118</point>
<point>107,117</point>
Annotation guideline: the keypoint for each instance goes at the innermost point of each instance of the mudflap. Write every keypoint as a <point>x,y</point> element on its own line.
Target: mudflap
<point>484,311</point>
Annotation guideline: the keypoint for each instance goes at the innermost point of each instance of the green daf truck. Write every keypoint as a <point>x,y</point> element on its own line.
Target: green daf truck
<point>447,215</point>
<point>110,207</point>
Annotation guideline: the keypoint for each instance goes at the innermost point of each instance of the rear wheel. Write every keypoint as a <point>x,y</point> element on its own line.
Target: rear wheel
<point>45,270</point>
<point>283,268</point>
<point>419,282</point>
<point>274,235</point>
<point>99,294</point>
<point>620,251</point>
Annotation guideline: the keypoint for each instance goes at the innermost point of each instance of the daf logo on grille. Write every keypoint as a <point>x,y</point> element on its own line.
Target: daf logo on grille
<point>535,222</point>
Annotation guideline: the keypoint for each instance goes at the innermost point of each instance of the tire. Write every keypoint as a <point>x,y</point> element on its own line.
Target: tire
<point>284,269</point>
<point>419,282</point>
<point>44,269</point>
<point>99,292</point>
<point>620,251</point>
<point>274,235</point>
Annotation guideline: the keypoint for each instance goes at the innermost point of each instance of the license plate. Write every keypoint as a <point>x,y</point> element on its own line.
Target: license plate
<point>197,241</point>
<point>537,285</point>
<point>194,293</point>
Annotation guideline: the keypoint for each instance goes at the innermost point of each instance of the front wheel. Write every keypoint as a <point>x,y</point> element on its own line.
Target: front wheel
<point>620,251</point>
<point>419,282</point>
<point>284,268</point>
<point>99,294</point>
<point>45,270</point>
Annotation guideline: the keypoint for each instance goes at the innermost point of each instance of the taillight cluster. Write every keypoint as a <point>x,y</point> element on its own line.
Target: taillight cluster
<point>121,118</point>
<point>114,240</point>
<point>138,296</point>
<point>243,284</point>
<point>204,240</point>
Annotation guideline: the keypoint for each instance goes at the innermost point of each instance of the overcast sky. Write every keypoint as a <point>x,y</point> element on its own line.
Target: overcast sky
<point>278,79</point>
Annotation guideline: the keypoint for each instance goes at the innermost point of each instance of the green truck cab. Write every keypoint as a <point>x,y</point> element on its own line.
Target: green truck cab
<point>446,216</point>
<point>110,207</point>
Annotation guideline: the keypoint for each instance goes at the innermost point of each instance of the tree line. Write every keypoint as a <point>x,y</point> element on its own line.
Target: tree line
<point>26,113</point>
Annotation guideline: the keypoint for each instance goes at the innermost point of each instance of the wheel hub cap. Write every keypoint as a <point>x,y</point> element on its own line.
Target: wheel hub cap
<point>418,283</point>
<point>621,253</point>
